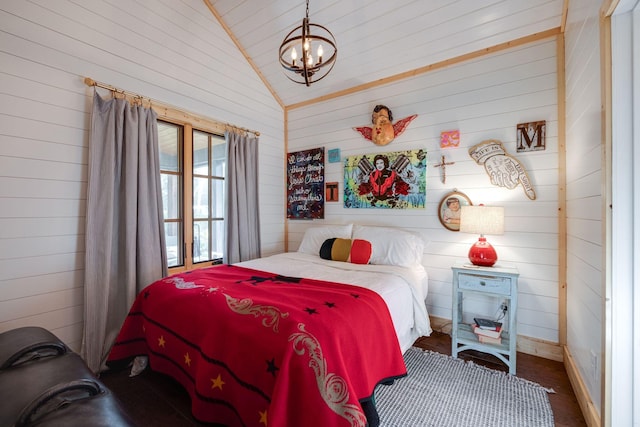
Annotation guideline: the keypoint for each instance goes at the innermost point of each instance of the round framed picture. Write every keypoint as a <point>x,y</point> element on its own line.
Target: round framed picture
<point>449,209</point>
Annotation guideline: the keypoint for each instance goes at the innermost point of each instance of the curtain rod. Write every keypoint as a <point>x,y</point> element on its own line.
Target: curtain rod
<point>90,82</point>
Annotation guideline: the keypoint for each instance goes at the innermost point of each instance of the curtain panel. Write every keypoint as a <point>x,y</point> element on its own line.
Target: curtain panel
<point>242,231</point>
<point>125,241</point>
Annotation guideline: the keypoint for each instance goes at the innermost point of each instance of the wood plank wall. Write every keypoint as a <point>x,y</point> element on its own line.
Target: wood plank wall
<point>187,60</point>
<point>585,197</point>
<point>46,51</point>
<point>174,52</point>
<point>585,193</point>
<point>485,98</point>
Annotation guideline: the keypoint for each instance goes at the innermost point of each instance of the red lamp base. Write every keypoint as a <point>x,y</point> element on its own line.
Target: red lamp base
<point>482,253</point>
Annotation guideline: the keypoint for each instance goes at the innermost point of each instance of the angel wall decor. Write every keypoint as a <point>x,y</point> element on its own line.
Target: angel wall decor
<point>383,130</point>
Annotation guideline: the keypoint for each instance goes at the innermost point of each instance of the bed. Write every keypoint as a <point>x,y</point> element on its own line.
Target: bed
<point>293,339</point>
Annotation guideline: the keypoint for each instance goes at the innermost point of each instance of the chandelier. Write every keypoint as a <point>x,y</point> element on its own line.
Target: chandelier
<point>317,48</point>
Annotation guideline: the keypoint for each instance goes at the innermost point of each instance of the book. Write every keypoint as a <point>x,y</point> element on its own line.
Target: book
<point>487,333</point>
<point>488,340</point>
<point>487,324</point>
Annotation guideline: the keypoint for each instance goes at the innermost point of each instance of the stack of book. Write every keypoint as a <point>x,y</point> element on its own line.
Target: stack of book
<point>487,331</point>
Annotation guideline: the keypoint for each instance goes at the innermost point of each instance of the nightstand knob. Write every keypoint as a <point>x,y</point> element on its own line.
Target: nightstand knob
<point>483,283</point>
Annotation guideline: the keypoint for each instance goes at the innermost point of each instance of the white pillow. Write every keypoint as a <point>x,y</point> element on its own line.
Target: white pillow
<point>391,246</point>
<point>314,237</point>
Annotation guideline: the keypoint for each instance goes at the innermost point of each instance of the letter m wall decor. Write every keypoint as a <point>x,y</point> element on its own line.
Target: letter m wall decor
<point>532,136</point>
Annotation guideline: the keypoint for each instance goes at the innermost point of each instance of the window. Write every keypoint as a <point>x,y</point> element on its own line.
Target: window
<point>193,170</point>
<point>172,179</point>
<point>209,171</point>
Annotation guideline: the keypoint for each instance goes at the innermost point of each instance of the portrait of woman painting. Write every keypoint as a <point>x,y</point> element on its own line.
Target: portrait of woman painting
<point>450,208</point>
<point>394,180</point>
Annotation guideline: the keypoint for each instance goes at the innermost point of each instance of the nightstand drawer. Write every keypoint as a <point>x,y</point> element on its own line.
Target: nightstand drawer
<point>498,285</point>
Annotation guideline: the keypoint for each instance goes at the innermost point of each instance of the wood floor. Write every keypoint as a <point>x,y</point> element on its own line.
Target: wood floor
<point>155,400</point>
<point>547,373</point>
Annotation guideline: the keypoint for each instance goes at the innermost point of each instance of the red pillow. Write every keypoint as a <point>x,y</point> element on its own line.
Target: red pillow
<point>360,251</point>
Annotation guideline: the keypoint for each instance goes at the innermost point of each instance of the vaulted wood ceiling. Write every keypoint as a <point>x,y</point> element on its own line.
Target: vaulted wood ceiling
<point>379,39</point>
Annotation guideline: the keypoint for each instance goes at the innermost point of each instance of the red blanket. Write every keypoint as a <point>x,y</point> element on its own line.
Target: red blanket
<point>258,349</point>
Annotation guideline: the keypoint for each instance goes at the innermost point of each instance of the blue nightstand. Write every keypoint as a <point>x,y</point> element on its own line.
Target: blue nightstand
<point>499,282</point>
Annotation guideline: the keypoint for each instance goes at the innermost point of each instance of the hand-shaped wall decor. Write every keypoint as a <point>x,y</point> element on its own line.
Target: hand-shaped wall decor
<point>383,131</point>
<point>503,169</point>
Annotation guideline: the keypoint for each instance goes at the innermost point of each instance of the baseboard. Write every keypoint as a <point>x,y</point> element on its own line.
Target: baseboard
<point>589,411</point>
<point>440,324</point>
<point>536,347</point>
<point>541,348</point>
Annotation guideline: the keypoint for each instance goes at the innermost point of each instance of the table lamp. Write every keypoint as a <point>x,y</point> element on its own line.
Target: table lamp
<point>482,220</point>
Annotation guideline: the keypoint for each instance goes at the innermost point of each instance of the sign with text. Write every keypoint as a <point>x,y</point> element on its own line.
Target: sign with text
<point>532,136</point>
<point>305,184</point>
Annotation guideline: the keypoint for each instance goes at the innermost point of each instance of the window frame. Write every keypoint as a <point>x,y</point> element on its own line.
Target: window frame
<point>189,123</point>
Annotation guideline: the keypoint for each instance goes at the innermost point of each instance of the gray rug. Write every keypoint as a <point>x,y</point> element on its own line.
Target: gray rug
<point>441,391</point>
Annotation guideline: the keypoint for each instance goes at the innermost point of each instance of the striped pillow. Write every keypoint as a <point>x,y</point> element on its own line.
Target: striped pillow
<point>357,251</point>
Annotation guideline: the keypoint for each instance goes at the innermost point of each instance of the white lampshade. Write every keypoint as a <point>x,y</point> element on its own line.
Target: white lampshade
<point>482,219</point>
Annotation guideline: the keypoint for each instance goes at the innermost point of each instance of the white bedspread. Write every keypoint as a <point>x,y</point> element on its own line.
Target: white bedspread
<point>400,287</point>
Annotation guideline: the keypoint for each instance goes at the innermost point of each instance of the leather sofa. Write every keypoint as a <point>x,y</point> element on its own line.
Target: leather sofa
<point>44,383</point>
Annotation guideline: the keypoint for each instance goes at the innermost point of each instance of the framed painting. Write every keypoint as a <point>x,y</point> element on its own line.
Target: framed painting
<point>334,155</point>
<point>450,207</point>
<point>394,180</point>
<point>450,138</point>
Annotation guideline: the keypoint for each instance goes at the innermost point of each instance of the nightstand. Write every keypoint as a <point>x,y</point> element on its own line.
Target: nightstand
<point>498,282</point>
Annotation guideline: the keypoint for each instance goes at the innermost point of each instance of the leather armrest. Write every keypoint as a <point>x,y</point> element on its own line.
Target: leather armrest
<point>21,345</point>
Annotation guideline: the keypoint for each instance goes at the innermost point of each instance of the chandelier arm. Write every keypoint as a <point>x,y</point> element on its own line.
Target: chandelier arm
<point>305,53</point>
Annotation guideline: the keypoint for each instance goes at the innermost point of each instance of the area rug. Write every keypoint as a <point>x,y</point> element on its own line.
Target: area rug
<point>442,391</point>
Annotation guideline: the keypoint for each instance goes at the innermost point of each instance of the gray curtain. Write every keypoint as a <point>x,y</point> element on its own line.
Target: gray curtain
<point>242,231</point>
<point>124,236</point>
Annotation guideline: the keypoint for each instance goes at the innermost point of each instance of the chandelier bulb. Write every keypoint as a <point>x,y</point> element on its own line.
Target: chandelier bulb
<point>306,45</point>
<point>294,56</point>
<point>320,52</point>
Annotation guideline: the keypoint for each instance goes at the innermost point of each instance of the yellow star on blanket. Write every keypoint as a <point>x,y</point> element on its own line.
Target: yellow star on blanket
<point>263,417</point>
<point>217,382</point>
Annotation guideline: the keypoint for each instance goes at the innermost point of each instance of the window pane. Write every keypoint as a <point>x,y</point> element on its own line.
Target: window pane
<point>200,198</point>
<point>200,153</point>
<point>174,243</point>
<point>201,241</point>
<point>170,146</point>
<point>170,196</point>
<point>217,195</point>
<point>218,239</point>
<point>168,141</point>
<point>218,156</point>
